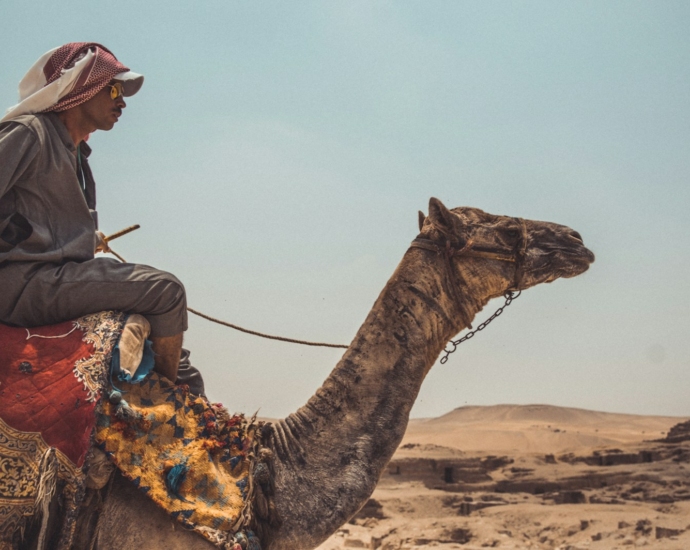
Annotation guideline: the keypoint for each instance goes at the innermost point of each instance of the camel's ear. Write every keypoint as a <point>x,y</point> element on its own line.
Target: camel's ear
<point>439,215</point>
<point>421,218</point>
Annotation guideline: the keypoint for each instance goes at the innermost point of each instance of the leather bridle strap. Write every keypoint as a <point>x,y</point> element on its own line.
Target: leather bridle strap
<point>520,253</point>
<point>450,250</point>
<point>468,249</point>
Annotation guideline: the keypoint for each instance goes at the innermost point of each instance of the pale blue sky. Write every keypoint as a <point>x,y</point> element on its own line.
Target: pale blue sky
<point>279,151</point>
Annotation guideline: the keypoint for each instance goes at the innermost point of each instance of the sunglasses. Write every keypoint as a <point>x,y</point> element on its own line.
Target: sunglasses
<point>116,90</point>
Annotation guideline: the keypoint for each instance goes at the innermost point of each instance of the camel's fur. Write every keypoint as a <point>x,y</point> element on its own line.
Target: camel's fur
<point>330,453</point>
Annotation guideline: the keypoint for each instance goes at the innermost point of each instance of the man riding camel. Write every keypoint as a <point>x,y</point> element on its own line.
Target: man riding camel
<point>48,221</point>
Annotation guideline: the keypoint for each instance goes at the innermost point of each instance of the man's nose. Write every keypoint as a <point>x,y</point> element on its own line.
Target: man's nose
<point>120,102</point>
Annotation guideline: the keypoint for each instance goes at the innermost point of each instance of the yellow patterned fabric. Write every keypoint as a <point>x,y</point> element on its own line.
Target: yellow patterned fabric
<point>189,456</point>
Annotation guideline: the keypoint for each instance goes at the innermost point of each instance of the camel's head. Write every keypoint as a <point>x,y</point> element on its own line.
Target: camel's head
<point>511,252</point>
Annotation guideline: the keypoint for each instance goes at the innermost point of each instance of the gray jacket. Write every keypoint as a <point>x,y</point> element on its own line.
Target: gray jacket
<point>46,213</point>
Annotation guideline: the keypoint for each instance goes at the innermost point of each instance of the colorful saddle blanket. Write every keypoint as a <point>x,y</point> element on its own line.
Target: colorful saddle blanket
<point>51,380</point>
<point>189,456</point>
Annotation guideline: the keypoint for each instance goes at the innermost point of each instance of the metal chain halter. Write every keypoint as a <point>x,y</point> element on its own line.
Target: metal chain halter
<point>509,296</point>
<point>468,248</point>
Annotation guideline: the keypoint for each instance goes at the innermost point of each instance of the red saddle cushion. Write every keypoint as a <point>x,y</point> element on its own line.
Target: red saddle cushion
<point>51,378</point>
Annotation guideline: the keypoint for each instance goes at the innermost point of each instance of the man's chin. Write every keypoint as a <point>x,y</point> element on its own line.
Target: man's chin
<point>107,126</point>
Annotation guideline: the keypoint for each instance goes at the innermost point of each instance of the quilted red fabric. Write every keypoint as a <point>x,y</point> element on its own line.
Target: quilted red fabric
<point>40,390</point>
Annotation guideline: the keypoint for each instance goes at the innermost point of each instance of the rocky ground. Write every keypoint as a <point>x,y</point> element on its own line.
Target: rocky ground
<point>633,494</point>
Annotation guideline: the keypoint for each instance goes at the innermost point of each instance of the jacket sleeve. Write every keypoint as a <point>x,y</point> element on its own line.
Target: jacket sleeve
<point>18,149</point>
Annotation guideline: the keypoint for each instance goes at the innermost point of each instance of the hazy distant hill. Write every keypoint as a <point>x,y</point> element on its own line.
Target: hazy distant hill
<point>534,428</point>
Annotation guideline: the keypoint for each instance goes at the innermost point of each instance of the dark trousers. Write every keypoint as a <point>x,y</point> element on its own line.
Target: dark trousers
<point>33,295</point>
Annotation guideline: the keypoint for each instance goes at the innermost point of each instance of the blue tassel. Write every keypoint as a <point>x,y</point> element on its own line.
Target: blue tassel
<point>174,479</point>
<point>124,412</point>
<point>122,409</point>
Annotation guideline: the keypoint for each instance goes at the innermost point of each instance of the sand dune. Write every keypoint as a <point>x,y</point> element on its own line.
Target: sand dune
<point>530,476</point>
<point>534,428</point>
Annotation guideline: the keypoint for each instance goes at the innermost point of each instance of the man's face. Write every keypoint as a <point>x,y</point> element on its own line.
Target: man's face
<point>101,111</point>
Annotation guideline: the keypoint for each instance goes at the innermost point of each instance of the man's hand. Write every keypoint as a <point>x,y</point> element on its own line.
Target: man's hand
<point>101,243</point>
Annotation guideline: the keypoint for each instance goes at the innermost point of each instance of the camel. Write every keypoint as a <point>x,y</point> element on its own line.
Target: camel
<point>330,453</point>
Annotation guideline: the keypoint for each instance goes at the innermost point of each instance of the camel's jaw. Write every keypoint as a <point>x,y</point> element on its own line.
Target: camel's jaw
<point>562,257</point>
<point>580,262</point>
<point>574,267</point>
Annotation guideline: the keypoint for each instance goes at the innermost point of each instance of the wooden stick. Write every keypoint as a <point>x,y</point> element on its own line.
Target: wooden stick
<point>121,232</point>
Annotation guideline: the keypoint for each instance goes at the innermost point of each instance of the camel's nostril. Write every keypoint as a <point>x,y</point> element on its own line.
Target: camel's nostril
<point>577,236</point>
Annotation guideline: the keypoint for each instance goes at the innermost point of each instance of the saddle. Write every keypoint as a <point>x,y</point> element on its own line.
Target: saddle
<point>78,399</point>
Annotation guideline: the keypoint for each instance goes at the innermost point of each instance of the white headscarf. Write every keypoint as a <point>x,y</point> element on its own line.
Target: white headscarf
<point>49,82</point>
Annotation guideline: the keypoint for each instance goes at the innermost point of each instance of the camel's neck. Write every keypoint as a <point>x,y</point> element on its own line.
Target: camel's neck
<point>331,452</point>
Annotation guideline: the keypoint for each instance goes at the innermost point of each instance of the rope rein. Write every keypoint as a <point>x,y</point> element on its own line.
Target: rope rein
<point>467,249</point>
<point>107,248</point>
<point>262,335</point>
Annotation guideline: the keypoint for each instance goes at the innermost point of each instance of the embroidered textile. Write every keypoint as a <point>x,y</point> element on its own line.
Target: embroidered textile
<point>50,380</point>
<point>189,456</point>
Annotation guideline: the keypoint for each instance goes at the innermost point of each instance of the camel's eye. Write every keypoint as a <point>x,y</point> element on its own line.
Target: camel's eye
<point>513,233</point>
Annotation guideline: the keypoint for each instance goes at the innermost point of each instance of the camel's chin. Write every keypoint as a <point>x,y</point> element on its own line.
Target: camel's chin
<point>580,264</point>
<point>571,266</point>
<point>573,269</point>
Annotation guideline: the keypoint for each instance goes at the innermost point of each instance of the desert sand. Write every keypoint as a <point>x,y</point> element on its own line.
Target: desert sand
<point>531,476</point>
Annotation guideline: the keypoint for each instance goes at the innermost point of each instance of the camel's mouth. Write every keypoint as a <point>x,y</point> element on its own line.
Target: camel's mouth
<point>562,263</point>
<point>581,261</point>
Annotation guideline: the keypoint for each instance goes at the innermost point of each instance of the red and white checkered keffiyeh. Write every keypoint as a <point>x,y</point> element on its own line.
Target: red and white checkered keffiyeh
<point>69,75</point>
